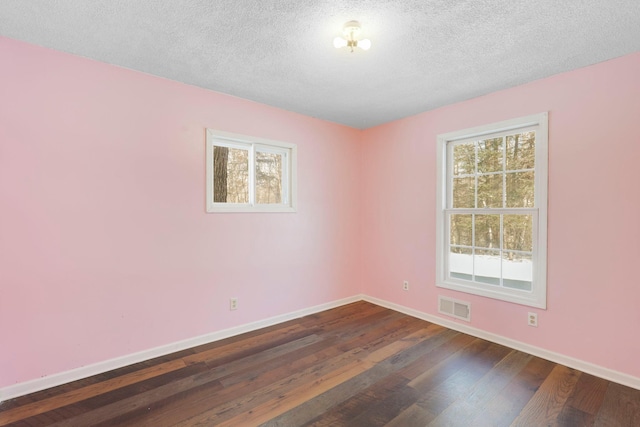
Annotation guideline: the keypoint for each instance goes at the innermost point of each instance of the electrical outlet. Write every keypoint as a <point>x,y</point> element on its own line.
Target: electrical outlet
<point>532,319</point>
<point>405,285</point>
<point>233,304</point>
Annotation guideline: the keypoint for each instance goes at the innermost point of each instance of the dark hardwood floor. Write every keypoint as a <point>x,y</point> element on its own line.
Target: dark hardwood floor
<point>356,365</point>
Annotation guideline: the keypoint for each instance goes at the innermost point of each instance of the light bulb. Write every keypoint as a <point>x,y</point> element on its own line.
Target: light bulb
<point>364,44</point>
<point>339,42</point>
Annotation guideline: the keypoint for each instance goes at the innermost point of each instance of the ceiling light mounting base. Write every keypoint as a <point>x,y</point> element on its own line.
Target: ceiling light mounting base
<point>351,30</point>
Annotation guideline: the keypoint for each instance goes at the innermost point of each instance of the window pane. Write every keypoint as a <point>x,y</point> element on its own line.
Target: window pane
<point>461,230</point>
<point>520,189</point>
<point>486,266</point>
<point>490,155</point>
<point>517,270</point>
<point>521,151</point>
<point>464,159</point>
<point>464,192</point>
<point>268,177</point>
<point>461,263</point>
<point>518,233</point>
<point>490,191</point>
<point>230,175</point>
<point>487,228</point>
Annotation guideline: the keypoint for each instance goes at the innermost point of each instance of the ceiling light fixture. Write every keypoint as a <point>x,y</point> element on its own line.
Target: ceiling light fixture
<point>351,30</point>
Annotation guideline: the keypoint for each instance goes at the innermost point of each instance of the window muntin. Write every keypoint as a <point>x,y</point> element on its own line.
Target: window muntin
<point>492,210</point>
<point>247,174</point>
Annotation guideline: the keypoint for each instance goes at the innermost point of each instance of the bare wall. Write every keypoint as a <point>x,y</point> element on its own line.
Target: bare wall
<point>105,246</point>
<point>593,226</point>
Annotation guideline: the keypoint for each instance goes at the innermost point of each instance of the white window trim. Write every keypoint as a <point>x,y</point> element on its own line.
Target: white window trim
<point>538,296</point>
<point>228,139</point>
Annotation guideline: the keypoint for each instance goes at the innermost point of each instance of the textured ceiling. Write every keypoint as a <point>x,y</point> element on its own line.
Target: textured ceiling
<point>424,54</point>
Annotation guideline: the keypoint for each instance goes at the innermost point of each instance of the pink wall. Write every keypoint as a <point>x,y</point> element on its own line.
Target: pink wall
<point>594,211</point>
<point>105,246</point>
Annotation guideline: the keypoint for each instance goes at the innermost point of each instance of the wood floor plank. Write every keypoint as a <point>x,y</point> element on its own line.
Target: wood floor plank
<point>338,318</point>
<point>438,373</point>
<point>584,403</point>
<point>589,394</point>
<point>190,384</point>
<point>547,403</point>
<point>457,385</point>
<point>145,399</point>
<point>263,371</point>
<point>253,344</point>
<point>428,361</point>
<point>380,403</point>
<point>326,409</point>
<point>318,375</point>
<point>322,406</point>
<point>414,415</point>
<point>360,352</point>
<point>74,396</point>
<point>249,367</point>
<point>356,365</point>
<point>508,402</point>
<point>620,407</point>
<point>285,400</point>
<point>370,337</point>
<point>474,400</point>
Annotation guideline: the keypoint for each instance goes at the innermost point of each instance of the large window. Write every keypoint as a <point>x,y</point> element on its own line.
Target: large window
<point>492,210</point>
<point>247,174</point>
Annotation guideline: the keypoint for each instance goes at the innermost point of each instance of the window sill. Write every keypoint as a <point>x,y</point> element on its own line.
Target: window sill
<point>227,208</point>
<point>529,299</point>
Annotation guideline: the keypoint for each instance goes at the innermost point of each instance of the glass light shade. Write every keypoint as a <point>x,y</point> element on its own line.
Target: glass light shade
<point>364,44</point>
<point>339,42</point>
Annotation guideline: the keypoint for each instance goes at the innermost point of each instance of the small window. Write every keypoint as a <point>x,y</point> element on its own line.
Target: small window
<point>492,210</point>
<point>247,174</point>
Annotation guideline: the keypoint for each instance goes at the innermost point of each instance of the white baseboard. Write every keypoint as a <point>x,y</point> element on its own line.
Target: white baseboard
<point>49,381</point>
<point>589,368</point>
